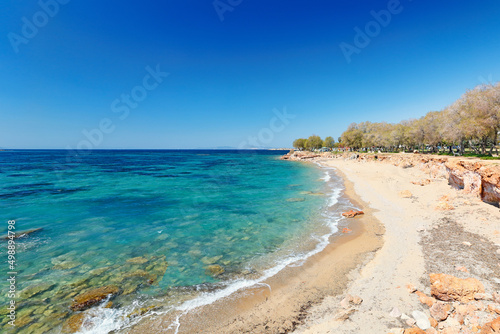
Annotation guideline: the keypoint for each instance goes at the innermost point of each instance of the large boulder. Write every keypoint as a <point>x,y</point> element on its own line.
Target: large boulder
<point>450,288</point>
<point>92,297</point>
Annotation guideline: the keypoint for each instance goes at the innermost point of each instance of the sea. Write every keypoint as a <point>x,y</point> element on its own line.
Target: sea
<point>165,230</point>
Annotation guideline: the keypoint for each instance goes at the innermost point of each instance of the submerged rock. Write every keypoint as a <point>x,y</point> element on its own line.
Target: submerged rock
<point>24,233</point>
<point>92,297</point>
<point>214,270</point>
<point>141,311</point>
<point>211,260</point>
<point>35,290</point>
<point>66,265</point>
<point>137,260</point>
<point>295,199</point>
<point>74,323</point>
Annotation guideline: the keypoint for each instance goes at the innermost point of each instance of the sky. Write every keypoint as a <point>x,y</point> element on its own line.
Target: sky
<point>92,74</point>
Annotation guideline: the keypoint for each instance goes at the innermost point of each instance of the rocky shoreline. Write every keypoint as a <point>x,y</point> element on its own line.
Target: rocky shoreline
<point>478,177</point>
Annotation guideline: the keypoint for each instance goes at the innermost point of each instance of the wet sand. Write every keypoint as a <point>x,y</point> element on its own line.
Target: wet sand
<point>282,303</point>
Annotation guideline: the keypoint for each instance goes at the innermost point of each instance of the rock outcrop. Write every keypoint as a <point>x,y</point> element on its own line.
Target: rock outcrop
<point>473,176</point>
<point>449,288</point>
<point>92,297</point>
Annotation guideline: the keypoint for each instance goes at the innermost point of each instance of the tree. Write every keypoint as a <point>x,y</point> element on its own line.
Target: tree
<point>314,142</point>
<point>329,142</point>
<point>353,136</point>
<point>299,144</point>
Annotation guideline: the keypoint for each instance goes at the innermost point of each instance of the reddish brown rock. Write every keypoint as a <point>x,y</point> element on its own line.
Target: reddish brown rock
<point>424,299</point>
<point>483,296</point>
<point>494,308</point>
<point>411,288</point>
<point>405,194</point>
<point>350,300</point>
<point>451,330</point>
<point>492,327</point>
<point>73,323</point>
<point>444,206</point>
<point>439,311</point>
<point>352,214</point>
<point>422,182</point>
<point>449,288</point>
<point>414,330</point>
<point>92,297</point>
<point>433,322</point>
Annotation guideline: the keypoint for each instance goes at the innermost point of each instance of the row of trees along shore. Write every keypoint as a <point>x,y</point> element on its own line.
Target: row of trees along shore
<point>314,143</point>
<point>473,121</point>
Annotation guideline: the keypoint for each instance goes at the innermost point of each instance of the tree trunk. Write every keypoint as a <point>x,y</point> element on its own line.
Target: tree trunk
<point>495,138</point>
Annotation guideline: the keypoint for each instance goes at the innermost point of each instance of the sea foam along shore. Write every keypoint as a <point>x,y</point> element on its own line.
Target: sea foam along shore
<point>278,301</point>
<point>430,227</point>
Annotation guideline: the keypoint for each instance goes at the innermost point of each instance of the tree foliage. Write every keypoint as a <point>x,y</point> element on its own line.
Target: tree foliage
<point>473,120</point>
<point>314,142</point>
<point>299,144</point>
<point>329,142</point>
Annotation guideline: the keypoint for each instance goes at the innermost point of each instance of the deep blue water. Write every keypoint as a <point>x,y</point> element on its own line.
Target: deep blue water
<point>154,223</point>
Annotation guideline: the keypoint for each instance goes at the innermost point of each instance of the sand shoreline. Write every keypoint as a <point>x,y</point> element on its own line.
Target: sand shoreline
<point>368,262</point>
<point>282,302</point>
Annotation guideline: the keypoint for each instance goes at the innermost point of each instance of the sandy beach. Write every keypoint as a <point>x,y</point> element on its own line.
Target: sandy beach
<point>283,301</point>
<point>419,240</point>
<point>404,235</point>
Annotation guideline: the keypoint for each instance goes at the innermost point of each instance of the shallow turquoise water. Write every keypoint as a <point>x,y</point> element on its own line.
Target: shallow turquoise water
<point>178,212</point>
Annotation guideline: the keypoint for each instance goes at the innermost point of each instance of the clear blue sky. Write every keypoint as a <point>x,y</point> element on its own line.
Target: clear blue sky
<point>227,76</point>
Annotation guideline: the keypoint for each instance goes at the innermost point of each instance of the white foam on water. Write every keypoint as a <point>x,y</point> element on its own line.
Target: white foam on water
<point>327,177</point>
<point>111,320</point>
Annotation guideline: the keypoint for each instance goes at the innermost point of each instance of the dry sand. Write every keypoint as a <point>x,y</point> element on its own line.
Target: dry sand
<point>418,239</point>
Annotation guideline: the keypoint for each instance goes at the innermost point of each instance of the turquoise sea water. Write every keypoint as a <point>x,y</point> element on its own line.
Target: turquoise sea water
<point>163,226</point>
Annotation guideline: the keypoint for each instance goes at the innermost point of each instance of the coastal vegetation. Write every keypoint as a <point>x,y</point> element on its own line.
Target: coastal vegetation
<point>314,142</point>
<point>472,121</point>
<point>469,126</point>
